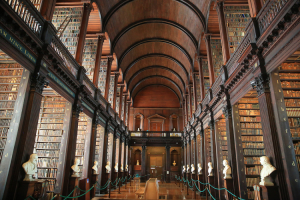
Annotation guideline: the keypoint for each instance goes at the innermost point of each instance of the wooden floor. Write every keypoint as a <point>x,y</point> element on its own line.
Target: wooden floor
<point>173,191</point>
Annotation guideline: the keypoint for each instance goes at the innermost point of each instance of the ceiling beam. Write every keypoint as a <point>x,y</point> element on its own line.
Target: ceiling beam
<point>155,55</point>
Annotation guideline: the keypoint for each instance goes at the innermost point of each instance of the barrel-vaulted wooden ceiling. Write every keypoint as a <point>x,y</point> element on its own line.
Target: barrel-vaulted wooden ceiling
<point>155,41</point>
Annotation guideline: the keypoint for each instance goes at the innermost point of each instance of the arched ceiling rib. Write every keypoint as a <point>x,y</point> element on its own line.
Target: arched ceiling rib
<point>156,70</point>
<point>154,21</point>
<point>157,81</point>
<point>156,59</point>
<point>156,40</point>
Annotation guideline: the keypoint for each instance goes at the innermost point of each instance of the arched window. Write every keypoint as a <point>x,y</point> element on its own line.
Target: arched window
<point>138,122</point>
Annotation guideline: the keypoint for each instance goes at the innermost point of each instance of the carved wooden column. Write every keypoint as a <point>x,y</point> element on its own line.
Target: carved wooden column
<point>209,58</point>
<point>115,89</point>
<point>113,174</point>
<point>201,78</point>
<point>187,111</point>
<point>195,151</point>
<point>214,153</point>
<point>190,100</point>
<point>271,138</point>
<point>121,100</point>
<point>125,107</point>
<point>183,113</point>
<point>227,110</point>
<point>83,29</point>
<point>144,159</point>
<point>101,39</point>
<point>195,93</point>
<point>128,107</point>
<point>254,7</point>
<point>203,154</point>
<point>107,81</point>
<point>168,163</point>
<point>121,141</point>
<point>47,9</point>
<point>223,31</point>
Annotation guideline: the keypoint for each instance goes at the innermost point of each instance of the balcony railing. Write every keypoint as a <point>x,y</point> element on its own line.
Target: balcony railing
<point>156,134</point>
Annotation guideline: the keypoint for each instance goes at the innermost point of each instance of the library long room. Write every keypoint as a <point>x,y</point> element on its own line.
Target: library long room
<point>150,99</point>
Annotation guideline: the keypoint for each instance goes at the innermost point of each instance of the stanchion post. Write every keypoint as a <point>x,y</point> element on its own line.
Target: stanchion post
<point>109,188</point>
<point>187,187</point>
<point>125,182</point>
<point>194,187</point>
<point>206,193</point>
<point>120,186</point>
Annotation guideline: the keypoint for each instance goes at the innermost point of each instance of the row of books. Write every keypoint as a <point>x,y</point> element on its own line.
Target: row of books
<point>298,162</point>
<point>10,80</point>
<point>54,105</point>
<point>48,162</point>
<point>293,112</point>
<point>292,102</point>
<point>10,65</point>
<point>249,112</point>
<point>251,132</point>
<point>56,115</point>
<point>289,75</point>
<point>41,138</point>
<point>250,194</point>
<point>47,153</point>
<point>51,126</point>
<point>253,145</point>
<point>254,152</point>
<point>253,170</point>
<point>252,181</point>
<point>47,173</point>
<point>294,122</point>
<point>252,160</point>
<point>251,106</point>
<point>250,125</point>
<point>2,143</point>
<point>9,87</point>
<point>8,96</point>
<point>51,120</point>
<point>51,110</point>
<point>3,131</point>
<point>4,122</point>
<point>290,84</point>
<point>253,101</point>
<point>297,148</point>
<point>289,66</point>
<point>50,132</point>
<point>253,138</point>
<point>250,119</point>
<point>48,145</point>
<point>291,93</point>
<point>235,39</point>
<point>11,72</point>
<point>7,104</point>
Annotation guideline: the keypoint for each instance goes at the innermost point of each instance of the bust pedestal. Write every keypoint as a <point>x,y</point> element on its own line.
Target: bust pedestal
<point>94,179</point>
<point>34,188</point>
<point>74,181</point>
<point>200,178</point>
<point>266,192</point>
<point>228,183</point>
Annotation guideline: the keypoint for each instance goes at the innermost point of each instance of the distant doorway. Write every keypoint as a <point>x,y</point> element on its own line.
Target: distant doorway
<point>156,126</point>
<point>156,166</point>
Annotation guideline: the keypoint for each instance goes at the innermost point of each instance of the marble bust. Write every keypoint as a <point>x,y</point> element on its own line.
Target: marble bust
<point>126,168</point>
<point>193,169</point>
<point>30,168</point>
<point>266,171</point>
<point>174,163</point>
<point>210,169</point>
<point>137,162</point>
<point>76,168</point>
<point>116,167</point>
<point>199,168</point>
<point>226,170</point>
<point>187,168</point>
<point>95,168</point>
<point>183,169</point>
<point>121,168</point>
<point>107,167</point>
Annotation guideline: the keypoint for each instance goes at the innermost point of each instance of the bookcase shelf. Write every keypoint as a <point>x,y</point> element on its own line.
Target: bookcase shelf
<point>89,57</point>
<point>10,77</point>
<point>49,138</point>
<point>252,140</point>
<point>216,49</point>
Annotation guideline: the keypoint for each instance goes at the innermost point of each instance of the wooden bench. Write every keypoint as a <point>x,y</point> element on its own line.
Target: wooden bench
<point>163,194</point>
<point>139,194</point>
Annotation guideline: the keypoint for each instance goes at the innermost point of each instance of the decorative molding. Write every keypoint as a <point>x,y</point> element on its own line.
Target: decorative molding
<point>39,82</point>
<point>261,83</point>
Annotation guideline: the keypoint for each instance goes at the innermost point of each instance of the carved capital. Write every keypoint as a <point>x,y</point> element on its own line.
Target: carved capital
<point>101,38</point>
<point>39,82</point>
<point>77,109</point>
<point>110,59</point>
<point>227,111</point>
<point>144,147</point>
<point>261,84</point>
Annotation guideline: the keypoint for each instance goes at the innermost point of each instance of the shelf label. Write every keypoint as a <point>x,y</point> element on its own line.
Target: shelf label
<point>59,82</point>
